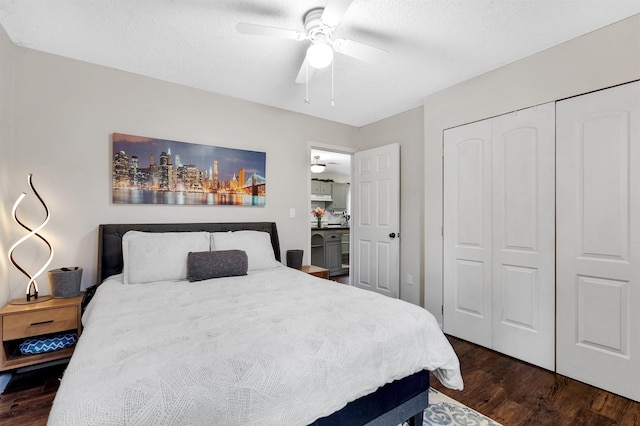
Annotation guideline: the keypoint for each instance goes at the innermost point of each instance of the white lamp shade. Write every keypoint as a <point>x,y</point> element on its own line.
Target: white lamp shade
<point>319,55</point>
<point>317,168</point>
<point>316,165</point>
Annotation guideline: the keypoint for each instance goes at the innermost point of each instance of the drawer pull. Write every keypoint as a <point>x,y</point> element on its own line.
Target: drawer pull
<point>41,322</point>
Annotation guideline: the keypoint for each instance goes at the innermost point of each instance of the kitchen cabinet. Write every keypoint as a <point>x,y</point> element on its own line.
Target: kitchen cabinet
<point>317,248</point>
<point>328,250</point>
<point>339,196</point>
<point>333,252</point>
<point>319,187</point>
<point>345,248</point>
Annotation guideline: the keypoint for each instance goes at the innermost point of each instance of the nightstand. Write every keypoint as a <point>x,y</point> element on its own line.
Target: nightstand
<point>22,321</point>
<point>316,271</point>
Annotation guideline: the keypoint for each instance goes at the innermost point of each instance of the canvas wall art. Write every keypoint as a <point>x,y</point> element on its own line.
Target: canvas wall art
<point>158,171</point>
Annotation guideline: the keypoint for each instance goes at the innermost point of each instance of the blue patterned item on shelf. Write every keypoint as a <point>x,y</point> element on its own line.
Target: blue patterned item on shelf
<point>40,345</point>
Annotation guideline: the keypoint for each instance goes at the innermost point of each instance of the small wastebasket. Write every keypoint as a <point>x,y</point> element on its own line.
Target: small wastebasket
<point>65,282</point>
<point>294,258</point>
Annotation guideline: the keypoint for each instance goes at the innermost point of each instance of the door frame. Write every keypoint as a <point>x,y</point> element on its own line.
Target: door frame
<point>332,148</point>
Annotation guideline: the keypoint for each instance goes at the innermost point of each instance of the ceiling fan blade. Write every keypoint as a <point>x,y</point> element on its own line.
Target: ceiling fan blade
<point>360,51</point>
<point>302,74</point>
<point>333,12</point>
<point>263,30</point>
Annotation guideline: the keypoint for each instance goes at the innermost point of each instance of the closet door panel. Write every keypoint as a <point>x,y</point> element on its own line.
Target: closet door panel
<point>605,181</point>
<point>524,235</point>
<point>598,231</point>
<point>467,233</point>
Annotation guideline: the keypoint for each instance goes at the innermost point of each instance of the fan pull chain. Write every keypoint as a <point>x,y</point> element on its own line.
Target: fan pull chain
<point>333,103</point>
<point>306,99</point>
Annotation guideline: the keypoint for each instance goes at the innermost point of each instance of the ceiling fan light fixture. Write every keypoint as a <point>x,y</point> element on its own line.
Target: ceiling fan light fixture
<point>320,54</point>
<point>317,166</point>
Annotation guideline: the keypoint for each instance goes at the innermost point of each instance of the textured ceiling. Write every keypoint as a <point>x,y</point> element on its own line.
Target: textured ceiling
<point>433,44</point>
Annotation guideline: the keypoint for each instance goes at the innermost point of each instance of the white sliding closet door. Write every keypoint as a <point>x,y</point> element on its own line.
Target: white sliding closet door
<point>598,239</point>
<point>524,235</point>
<point>499,234</point>
<point>467,309</point>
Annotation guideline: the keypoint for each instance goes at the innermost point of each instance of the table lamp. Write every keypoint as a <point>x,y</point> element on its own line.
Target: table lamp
<point>32,286</point>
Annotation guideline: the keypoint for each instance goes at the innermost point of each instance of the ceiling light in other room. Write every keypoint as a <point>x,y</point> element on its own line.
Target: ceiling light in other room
<point>317,166</point>
<point>320,54</point>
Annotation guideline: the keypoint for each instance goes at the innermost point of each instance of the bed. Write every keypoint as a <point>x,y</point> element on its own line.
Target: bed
<point>270,346</point>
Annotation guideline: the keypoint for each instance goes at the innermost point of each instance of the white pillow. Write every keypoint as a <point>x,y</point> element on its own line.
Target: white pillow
<point>159,256</point>
<point>256,244</point>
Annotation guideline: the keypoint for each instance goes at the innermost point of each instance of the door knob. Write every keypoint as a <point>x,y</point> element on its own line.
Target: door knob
<point>392,235</point>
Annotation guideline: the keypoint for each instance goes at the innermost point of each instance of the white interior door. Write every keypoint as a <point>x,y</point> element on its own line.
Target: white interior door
<point>375,226</point>
<point>598,239</point>
<point>467,310</point>
<point>523,146</point>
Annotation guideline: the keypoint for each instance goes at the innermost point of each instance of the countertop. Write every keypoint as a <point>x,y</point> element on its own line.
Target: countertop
<point>329,228</point>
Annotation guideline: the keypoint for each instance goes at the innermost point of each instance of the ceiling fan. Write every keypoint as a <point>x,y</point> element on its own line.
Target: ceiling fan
<point>319,25</point>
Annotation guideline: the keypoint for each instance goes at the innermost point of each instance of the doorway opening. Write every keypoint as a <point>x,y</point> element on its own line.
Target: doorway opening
<point>330,193</point>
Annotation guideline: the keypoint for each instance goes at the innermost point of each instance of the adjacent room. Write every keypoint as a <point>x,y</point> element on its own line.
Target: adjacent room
<point>327,212</point>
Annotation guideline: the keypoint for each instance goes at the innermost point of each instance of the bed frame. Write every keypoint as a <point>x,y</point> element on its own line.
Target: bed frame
<point>392,404</point>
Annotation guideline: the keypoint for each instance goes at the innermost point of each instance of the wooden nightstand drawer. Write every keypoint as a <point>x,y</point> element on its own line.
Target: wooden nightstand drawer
<point>20,321</point>
<point>28,324</point>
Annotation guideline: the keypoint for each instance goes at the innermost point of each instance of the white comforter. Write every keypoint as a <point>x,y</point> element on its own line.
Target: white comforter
<point>277,347</point>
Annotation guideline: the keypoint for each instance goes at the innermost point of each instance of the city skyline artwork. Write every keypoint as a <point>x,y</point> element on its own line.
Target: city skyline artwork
<point>149,170</point>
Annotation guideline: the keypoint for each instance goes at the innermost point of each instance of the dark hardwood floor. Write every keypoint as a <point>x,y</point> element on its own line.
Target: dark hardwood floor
<point>513,392</point>
<point>28,397</point>
<point>343,279</point>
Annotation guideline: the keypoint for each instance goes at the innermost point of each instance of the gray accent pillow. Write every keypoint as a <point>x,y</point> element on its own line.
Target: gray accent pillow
<point>203,265</point>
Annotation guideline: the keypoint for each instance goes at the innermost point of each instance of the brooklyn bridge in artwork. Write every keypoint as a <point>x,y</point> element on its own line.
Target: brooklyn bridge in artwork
<point>158,171</point>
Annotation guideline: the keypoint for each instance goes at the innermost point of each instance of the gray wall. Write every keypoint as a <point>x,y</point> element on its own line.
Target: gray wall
<point>407,130</point>
<point>6,84</point>
<point>64,114</point>
<point>603,58</point>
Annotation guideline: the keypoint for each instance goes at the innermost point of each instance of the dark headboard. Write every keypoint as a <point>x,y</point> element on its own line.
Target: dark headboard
<point>110,239</point>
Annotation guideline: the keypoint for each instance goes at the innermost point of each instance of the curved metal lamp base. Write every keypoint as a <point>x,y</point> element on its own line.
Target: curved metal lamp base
<point>32,300</point>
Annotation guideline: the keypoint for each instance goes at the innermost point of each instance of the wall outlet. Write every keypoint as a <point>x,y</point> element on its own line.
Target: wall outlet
<point>292,213</point>
<point>409,279</point>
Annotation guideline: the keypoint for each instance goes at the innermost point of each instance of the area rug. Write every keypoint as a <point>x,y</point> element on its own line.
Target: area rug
<point>443,410</point>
